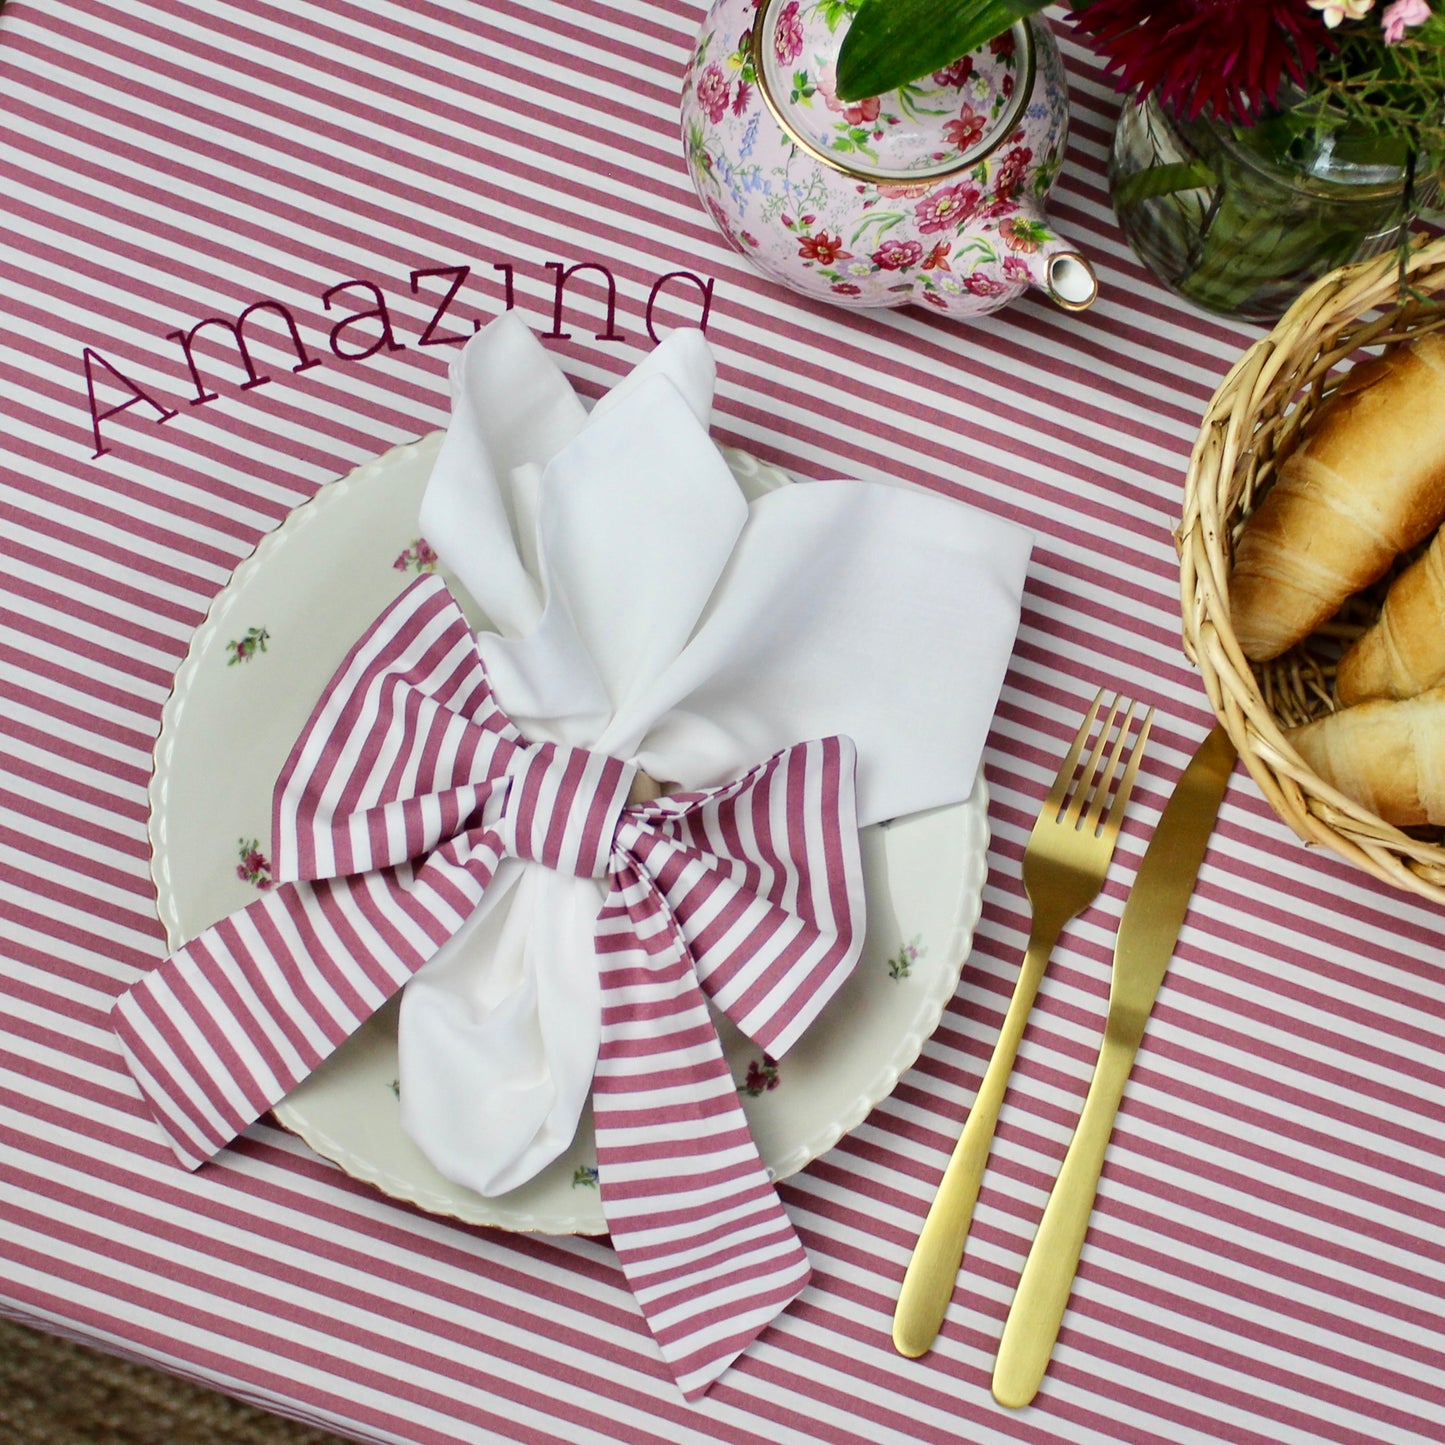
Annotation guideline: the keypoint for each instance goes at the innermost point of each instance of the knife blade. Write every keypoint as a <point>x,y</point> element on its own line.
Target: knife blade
<point>1153,915</point>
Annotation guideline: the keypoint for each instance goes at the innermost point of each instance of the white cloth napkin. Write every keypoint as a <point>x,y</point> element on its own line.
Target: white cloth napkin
<point>643,608</point>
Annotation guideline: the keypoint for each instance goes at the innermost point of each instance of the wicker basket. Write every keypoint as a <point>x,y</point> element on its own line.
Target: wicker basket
<point>1251,425</point>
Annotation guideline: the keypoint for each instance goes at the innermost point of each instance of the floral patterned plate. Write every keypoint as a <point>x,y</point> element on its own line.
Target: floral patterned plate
<point>255,668</point>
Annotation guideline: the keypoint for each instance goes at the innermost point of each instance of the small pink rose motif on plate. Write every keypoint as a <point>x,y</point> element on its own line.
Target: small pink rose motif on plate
<point>901,964</point>
<point>762,1077</point>
<point>245,648</point>
<point>419,557</point>
<point>254,867</point>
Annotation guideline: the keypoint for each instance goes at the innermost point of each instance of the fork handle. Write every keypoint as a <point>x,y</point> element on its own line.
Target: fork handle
<point>1047,1280</point>
<point>933,1270</point>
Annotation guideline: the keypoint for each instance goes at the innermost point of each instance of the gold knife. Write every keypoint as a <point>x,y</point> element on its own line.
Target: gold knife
<point>1148,932</point>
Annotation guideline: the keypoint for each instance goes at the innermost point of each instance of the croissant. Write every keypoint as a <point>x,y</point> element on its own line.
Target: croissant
<point>1404,652</point>
<point>1387,755</point>
<point>1366,483</point>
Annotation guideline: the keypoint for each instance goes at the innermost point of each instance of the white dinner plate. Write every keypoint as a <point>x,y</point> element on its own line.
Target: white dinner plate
<point>256,666</point>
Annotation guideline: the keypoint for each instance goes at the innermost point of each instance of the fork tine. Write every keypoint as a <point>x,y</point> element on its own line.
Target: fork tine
<point>1100,798</point>
<point>1087,790</point>
<point>1115,816</point>
<point>1065,776</point>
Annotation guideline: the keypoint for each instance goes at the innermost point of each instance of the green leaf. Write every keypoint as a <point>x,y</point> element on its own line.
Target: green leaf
<point>1163,180</point>
<point>891,42</point>
<point>883,220</point>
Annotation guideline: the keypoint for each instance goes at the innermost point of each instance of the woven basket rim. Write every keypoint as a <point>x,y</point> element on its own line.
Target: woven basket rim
<point>1275,384</point>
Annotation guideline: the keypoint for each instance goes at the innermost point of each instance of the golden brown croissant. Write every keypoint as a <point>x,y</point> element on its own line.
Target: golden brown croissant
<point>1367,483</point>
<point>1404,652</point>
<point>1387,755</point>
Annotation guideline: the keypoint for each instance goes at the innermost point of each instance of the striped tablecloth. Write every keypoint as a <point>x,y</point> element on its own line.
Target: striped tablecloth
<point>1265,1262</point>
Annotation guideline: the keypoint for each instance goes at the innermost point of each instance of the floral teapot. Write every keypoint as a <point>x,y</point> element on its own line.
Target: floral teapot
<point>932,193</point>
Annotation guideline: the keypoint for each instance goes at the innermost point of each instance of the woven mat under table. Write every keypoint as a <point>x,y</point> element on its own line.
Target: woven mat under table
<point>54,1392</point>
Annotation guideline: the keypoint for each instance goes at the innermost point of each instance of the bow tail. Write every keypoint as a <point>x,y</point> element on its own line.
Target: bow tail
<point>764,878</point>
<point>231,1022</point>
<point>708,1251</point>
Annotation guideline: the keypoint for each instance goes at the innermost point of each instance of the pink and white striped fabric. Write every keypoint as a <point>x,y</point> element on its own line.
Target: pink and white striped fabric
<point>404,795</point>
<point>1264,1263</point>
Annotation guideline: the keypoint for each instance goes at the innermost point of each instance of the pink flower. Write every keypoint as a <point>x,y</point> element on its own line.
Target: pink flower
<point>741,99</point>
<point>904,191</point>
<point>951,206</point>
<point>996,208</point>
<point>1015,268</point>
<point>859,112</point>
<point>937,300</point>
<point>1021,233</point>
<point>978,284</point>
<point>1011,170</point>
<point>721,219</point>
<point>847,288</point>
<point>967,130</point>
<point>895,255</point>
<point>713,92</point>
<point>1400,16</point>
<point>788,37</point>
<point>957,74</point>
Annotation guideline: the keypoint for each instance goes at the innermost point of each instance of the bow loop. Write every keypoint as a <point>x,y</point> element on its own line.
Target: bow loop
<point>406,748</point>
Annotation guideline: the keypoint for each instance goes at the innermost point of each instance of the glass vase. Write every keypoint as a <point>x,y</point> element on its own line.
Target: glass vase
<point>1240,219</point>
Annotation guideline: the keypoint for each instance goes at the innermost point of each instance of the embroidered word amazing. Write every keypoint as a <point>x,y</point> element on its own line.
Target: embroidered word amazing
<point>365,330</point>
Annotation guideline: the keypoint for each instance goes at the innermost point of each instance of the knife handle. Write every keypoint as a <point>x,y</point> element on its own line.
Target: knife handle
<point>1048,1274</point>
<point>933,1270</point>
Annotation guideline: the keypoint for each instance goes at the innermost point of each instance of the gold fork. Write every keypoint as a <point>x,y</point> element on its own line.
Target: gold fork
<point>1065,862</point>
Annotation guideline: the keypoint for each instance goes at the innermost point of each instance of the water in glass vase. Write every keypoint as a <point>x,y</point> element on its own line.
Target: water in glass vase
<point>1240,219</point>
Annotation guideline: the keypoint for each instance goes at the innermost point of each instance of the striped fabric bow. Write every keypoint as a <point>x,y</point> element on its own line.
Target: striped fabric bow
<point>406,791</point>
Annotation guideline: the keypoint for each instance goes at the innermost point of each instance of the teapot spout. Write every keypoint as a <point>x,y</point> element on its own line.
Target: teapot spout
<point>1067,277</point>
<point>1053,264</point>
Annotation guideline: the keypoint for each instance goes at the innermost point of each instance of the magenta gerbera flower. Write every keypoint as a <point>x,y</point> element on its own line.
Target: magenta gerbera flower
<point>1225,58</point>
<point>951,206</point>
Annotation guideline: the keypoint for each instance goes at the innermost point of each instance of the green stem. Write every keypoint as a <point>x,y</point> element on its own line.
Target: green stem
<point>1234,221</point>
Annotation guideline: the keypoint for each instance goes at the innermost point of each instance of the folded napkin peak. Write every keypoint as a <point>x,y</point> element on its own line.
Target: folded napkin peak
<point>513,412</point>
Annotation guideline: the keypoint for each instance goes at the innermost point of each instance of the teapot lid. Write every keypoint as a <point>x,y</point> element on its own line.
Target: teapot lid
<point>924,130</point>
